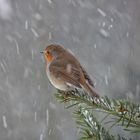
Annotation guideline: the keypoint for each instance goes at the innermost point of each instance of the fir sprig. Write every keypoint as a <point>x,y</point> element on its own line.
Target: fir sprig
<point>123,113</point>
<point>90,128</point>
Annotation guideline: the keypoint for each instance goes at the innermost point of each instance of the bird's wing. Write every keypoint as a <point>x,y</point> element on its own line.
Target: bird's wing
<point>67,72</point>
<point>87,78</point>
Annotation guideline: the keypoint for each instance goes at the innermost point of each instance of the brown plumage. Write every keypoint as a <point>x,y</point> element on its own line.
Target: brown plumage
<point>64,70</point>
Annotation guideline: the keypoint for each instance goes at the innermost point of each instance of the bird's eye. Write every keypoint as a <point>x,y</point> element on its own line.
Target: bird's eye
<point>48,52</point>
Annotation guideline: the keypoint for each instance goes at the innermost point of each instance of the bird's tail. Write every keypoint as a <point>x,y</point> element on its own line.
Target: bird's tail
<point>89,89</point>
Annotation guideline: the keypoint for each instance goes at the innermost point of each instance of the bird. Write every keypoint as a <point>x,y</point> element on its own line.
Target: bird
<point>65,72</point>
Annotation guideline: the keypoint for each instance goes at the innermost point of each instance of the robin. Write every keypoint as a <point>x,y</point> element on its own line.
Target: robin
<point>65,72</point>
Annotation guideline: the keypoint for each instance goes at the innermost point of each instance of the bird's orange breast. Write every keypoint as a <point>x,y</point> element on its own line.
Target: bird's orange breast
<point>49,57</point>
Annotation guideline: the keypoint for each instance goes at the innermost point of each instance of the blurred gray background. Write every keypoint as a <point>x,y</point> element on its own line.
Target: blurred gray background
<point>103,34</point>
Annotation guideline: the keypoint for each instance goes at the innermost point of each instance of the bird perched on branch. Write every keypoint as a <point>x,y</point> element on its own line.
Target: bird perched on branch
<point>65,72</point>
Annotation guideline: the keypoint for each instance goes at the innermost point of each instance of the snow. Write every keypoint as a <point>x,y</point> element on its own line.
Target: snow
<point>106,79</point>
<point>26,25</point>
<point>95,46</point>
<point>34,32</point>
<point>41,137</point>
<point>4,121</point>
<point>3,67</point>
<point>35,117</point>
<point>47,117</point>
<point>110,27</point>
<point>104,33</point>
<point>101,12</point>
<point>104,37</point>
<point>50,36</point>
<point>17,46</point>
<point>50,1</point>
<point>5,9</point>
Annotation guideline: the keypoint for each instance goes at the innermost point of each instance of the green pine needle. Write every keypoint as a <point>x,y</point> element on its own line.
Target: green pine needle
<point>124,113</point>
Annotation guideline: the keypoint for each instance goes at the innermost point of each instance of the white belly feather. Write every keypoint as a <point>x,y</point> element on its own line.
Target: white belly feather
<point>56,82</point>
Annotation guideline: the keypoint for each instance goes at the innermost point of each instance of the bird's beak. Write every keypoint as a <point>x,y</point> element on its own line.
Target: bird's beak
<point>41,52</point>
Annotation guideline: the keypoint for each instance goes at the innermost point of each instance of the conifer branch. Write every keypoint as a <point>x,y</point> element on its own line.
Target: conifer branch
<point>90,128</point>
<point>124,113</point>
